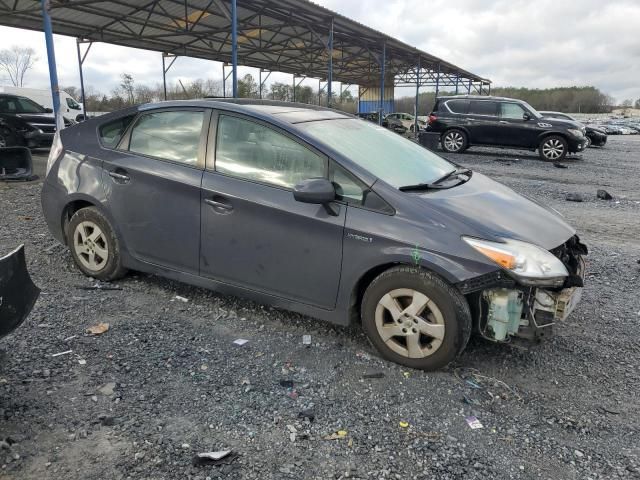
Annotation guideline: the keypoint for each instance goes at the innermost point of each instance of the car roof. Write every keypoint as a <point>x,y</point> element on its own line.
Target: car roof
<point>479,97</point>
<point>288,112</point>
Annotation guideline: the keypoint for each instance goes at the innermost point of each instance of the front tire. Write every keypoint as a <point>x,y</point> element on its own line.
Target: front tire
<point>94,245</point>
<point>414,318</point>
<point>454,141</point>
<point>553,148</point>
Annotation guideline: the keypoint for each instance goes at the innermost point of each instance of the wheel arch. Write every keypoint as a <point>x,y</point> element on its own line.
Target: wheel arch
<point>551,133</point>
<point>78,202</point>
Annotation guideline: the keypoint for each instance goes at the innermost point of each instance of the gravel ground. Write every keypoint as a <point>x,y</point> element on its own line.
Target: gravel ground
<point>166,381</point>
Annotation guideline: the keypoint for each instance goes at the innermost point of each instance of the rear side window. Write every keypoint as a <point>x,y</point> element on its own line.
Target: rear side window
<point>169,135</point>
<point>458,106</point>
<point>110,133</point>
<point>252,151</point>
<point>482,107</point>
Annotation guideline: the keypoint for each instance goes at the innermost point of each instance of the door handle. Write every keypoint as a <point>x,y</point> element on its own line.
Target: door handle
<point>119,176</point>
<point>218,205</point>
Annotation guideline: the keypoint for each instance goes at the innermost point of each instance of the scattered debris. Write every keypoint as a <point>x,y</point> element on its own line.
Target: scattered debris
<point>578,453</point>
<point>292,394</point>
<point>70,338</point>
<point>373,375</point>
<point>240,341</point>
<point>472,384</point>
<point>98,286</point>
<point>470,401</point>
<point>604,195</point>
<point>286,383</point>
<point>473,422</point>
<point>307,414</point>
<point>82,361</point>
<point>62,353</point>
<point>98,329</point>
<point>336,436</point>
<point>182,299</point>
<point>223,457</point>
<point>306,340</point>
<point>573,197</point>
<point>406,374</point>
<point>107,389</point>
<point>404,424</point>
<point>138,456</point>
<point>106,420</point>
<point>559,165</point>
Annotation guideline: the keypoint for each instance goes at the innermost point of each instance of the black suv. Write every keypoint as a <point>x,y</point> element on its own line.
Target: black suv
<point>23,122</point>
<point>467,120</point>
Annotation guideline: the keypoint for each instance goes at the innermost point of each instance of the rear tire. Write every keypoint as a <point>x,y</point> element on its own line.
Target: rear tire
<point>454,141</point>
<point>414,318</point>
<point>94,245</point>
<point>553,148</point>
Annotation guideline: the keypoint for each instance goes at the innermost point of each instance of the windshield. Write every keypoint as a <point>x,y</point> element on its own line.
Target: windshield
<point>390,157</point>
<point>19,105</point>
<point>71,103</point>
<point>532,110</point>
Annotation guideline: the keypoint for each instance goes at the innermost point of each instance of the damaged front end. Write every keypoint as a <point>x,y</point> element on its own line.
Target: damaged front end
<point>507,308</point>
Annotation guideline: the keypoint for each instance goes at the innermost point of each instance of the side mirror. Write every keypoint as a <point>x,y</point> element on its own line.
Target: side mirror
<point>526,116</point>
<point>319,191</point>
<point>48,110</point>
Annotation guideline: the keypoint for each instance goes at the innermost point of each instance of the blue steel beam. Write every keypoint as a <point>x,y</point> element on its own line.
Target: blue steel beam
<point>438,81</point>
<point>234,46</point>
<point>382,72</point>
<point>51,59</point>
<point>330,73</point>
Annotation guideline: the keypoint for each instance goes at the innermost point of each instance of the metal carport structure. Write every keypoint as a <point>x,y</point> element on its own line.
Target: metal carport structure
<point>296,37</point>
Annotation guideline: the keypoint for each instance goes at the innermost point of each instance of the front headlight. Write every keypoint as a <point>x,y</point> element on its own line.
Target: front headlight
<point>530,264</point>
<point>575,132</point>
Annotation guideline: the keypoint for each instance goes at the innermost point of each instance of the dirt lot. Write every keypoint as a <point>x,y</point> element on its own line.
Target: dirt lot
<point>166,381</point>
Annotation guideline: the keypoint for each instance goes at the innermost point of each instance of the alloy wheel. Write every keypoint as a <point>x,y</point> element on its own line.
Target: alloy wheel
<point>90,245</point>
<point>552,149</point>
<point>453,141</point>
<point>409,323</point>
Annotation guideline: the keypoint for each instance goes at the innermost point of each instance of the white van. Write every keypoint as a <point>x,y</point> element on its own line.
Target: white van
<point>69,107</point>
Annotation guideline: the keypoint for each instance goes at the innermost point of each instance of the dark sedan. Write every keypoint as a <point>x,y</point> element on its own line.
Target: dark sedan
<point>315,211</point>
<point>596,136</point>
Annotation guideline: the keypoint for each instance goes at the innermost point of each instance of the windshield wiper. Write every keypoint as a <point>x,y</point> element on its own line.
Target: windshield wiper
<point>435,184</point>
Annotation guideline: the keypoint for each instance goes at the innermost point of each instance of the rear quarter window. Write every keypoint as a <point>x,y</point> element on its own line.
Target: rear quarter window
<point>458,106</point>
<point>111,132</point>
<point>483,107</point>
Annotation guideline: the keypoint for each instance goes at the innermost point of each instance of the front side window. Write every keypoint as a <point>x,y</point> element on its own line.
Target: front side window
<point>170,135</point>
<point>19,105</point>
<point>512,111</point>
<point>483,107</point>
<point>252,151</point>
<point>386,155</point>
<point>71,103</point>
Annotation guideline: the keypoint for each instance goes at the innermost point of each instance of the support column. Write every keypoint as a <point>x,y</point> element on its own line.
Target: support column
<point>234,46</point>
<point>469,87</point>
<point>330,69</point>
<point>294,88</point>
<point>382,72</point>
<point>457,81</point>
<point>80,63</point>
<point>489,86</point>
<point>164,78</point>
<point>438,81</point>
<point>415,120</point>
<point>51,59</point>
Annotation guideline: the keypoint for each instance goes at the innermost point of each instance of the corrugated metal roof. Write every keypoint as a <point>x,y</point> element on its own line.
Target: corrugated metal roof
<point>289,36</point>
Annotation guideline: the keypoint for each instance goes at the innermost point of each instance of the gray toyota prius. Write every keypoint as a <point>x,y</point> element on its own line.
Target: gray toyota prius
<point>316,211</point>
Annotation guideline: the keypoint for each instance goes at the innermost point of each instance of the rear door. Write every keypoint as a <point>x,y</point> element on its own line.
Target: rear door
<point>514,129</point>
<point>152,184</point>
<point>483,122</point>
<point>254,233</point>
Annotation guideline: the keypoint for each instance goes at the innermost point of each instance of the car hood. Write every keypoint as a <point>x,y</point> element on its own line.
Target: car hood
<point>559,122</point>
<point>487,209</point>
<point>596,129</point>
<point>42,118</point>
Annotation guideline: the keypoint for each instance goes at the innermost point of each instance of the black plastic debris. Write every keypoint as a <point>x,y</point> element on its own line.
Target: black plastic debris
<point>559,165</point>
<point>18,294</point>
<point>286,383</point>
<point>373,375</point>
<point>573,197</point>
<point>16,163</point>
<point>604,195</point>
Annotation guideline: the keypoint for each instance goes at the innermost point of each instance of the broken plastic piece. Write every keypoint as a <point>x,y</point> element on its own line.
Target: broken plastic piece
<point>337,435</point>
<point>182,299</point>
<point>16,163</point>
<point>18,294</point>
<point>240,341</point>
<point>214,458</point>
<point>61,353</point>
<point>473,422</point>
<point>306,340</point>
<point>404,424</point>
<point>98,329</point>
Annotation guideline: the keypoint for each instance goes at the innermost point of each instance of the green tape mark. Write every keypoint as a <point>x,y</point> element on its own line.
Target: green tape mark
<point>416,255</point>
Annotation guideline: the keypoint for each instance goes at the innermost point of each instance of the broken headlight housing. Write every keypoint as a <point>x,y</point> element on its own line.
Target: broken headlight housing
<point>528,263</point>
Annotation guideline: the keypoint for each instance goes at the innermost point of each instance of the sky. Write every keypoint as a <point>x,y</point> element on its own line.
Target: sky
<point>528,43</point>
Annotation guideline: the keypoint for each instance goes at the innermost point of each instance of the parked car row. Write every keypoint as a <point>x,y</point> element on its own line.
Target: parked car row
<point>595,136</point>
<point>316,211</point>
<point>463,121</point>
<point>398,122</point>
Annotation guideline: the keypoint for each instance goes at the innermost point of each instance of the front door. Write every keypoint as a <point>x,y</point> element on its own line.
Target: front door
<point>515,130</point>
<point>254,234</point>
<point>482,122</point>
<point>152,186</point>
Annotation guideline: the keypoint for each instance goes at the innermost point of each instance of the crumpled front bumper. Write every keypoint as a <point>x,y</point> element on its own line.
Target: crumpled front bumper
<point>18,294</point>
